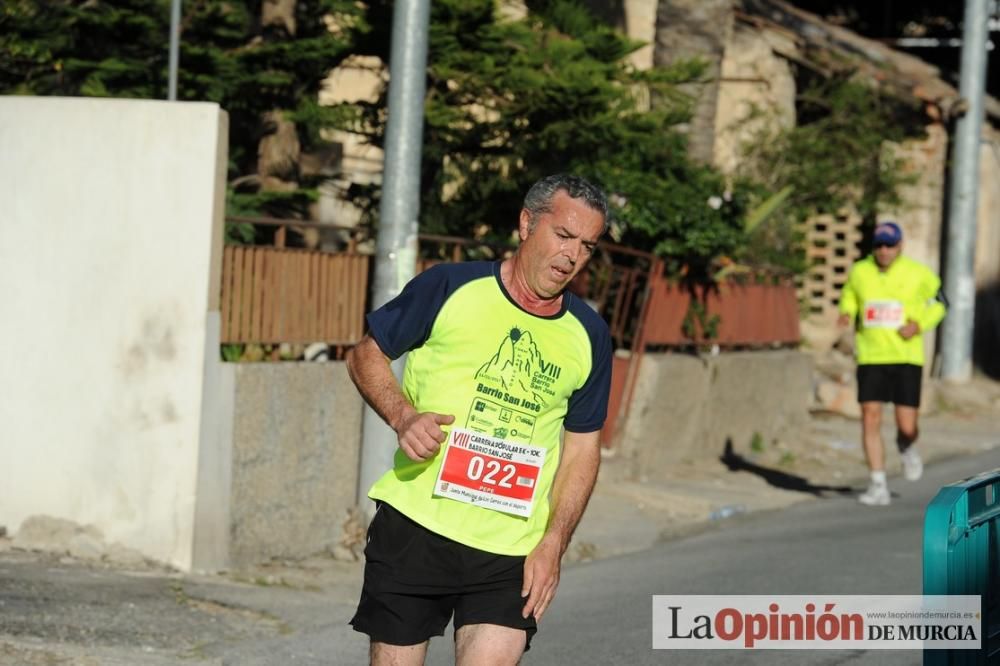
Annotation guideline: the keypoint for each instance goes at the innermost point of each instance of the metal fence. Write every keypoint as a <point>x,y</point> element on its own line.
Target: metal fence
<point>274,294</point>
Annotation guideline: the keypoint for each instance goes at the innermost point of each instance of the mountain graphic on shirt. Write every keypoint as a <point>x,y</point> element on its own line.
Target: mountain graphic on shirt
<point>516,361</point>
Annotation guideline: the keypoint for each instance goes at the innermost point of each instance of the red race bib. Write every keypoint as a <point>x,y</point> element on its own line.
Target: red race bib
<point>883,314</point>
<point>490,472</point>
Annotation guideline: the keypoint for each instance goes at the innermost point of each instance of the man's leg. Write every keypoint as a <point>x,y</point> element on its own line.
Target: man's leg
<point>398,614</point>
<point>907,430</point>
<point>383,654</point>
<point>906,435</point>
<point>489,645</point>
<point>877,493</point>
<point>871,435</point>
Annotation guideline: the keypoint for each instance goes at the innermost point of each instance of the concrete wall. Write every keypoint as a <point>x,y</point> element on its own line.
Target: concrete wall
<point>110,244</point>
<point>921,211</point>
<point>756,97</point>
<point>297,438</point>
<point>987,258</point>
<point>357,79</point>
<point>986,352</point>
<point>686,408</point>
<point>640,23</point>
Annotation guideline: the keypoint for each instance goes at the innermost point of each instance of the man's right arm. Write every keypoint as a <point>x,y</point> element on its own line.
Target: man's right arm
<point>848,306</point>
<point>420,435</point>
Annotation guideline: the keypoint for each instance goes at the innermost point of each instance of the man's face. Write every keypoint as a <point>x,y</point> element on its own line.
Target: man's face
<point>886,254</point>
<point>559,244</point>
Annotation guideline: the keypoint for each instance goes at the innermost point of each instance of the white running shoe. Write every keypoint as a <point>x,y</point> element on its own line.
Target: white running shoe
<point>876,495</point>
<point>913,466</point>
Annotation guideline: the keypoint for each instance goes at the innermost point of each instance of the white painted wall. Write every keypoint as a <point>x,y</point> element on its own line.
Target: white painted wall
<point>110,243</point>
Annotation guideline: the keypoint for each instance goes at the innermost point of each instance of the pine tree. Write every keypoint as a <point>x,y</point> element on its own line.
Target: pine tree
<point>510,101</point>
<point>264,67</point>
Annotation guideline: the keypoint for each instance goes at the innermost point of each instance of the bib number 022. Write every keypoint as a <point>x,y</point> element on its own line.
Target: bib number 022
<point>493,468</point>
<point>490,472</point>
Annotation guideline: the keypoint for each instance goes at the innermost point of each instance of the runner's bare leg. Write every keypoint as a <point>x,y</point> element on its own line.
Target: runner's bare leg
<point>871,425</point>
<point>489,645</point>
<point>906,426</point>
<point>384,654</point>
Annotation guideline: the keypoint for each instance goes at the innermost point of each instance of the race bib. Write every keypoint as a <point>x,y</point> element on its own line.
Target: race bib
<point>882,314</point>
<point>490,472</point>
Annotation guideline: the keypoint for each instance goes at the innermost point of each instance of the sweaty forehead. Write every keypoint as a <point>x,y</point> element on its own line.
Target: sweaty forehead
<point>575,215</point>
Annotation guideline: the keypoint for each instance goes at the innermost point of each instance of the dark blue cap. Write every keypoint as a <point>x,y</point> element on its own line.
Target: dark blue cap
<point>888,233</point>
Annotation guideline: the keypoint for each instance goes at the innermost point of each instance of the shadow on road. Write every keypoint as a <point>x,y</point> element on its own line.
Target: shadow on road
<point>737,463</point>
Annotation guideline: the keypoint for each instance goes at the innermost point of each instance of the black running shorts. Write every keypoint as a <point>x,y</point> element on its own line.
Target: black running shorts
<point>416,579</point>
<point>898,383</point>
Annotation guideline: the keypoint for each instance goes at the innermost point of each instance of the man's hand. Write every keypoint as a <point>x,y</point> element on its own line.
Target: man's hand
<point>541,577</point>
<point>571,488</point>
<point>420,435</point>
<point>909,329</point>
<point>844,320</point>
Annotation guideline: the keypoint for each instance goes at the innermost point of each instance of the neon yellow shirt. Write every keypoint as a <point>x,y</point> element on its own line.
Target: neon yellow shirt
<point>883,301</point>
<point>503,373</point>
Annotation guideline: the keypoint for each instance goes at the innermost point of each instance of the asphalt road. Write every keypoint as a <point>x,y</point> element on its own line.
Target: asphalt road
<point>55,612</point>
<point>831,546</point>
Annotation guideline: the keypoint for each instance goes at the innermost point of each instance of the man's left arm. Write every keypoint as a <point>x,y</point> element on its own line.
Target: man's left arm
<point>571,489</point>
<point>935,309</point>
<point>929,296</point>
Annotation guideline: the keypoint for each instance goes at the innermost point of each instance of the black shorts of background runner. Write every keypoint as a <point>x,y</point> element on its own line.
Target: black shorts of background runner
<point>898,383</point>
<point>415,579</point>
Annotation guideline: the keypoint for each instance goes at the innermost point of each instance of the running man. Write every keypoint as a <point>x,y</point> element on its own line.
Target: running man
<point>503,398</point>
<point>893,301</point>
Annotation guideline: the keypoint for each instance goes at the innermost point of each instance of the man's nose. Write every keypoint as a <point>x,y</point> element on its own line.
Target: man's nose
<point>573,251</point>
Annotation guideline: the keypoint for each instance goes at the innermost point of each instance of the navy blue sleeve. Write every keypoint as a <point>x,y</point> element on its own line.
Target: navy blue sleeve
<point>405,322</point>
<point>588,406</point>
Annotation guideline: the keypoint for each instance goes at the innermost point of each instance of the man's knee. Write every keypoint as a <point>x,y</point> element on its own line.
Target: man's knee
<point>871,414</point>
<point>489,644</point>
<point>906,437</point>
<point>384,654</point>
<point>906,426</point>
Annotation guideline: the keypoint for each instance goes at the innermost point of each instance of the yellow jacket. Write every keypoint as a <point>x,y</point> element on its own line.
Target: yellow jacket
<point>881,302</point>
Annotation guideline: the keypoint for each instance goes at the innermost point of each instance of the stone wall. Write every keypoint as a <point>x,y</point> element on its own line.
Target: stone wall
<point>921,212</point>
<point>756,95</point>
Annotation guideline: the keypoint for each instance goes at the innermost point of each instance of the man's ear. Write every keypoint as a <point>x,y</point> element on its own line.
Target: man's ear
<point>524,225</point>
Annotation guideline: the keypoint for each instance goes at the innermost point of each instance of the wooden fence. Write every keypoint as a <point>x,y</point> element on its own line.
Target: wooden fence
<point>274,295</point>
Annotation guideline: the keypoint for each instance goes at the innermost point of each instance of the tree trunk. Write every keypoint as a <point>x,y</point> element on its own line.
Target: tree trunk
<point>700,29</point>
<point>278,153</point>
<point>278,14</point>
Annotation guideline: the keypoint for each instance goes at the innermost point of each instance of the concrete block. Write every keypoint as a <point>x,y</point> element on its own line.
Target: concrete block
<point>686,408</point>
<point>296,447</point>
